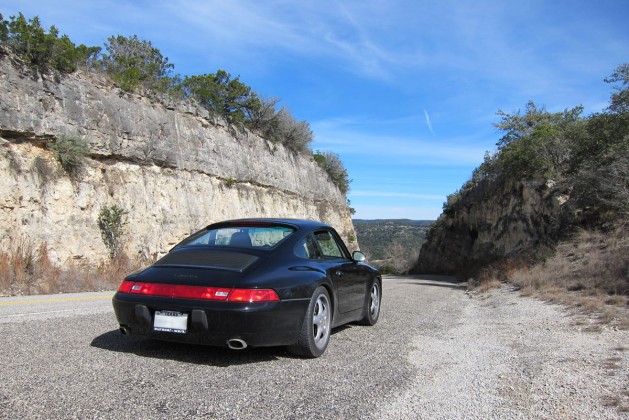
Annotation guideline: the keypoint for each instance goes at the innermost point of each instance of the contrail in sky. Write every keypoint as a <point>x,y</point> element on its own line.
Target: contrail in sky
<point>428,122</point>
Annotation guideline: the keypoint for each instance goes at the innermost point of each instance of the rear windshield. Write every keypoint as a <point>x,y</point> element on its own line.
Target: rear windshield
<point>257,237</point>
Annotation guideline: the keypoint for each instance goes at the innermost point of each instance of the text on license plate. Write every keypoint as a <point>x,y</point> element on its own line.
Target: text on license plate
<point>170,321</point>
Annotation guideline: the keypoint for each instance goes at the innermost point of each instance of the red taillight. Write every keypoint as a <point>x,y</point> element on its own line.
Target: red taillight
<point>125,286</point>
<point>253,295</point>
<point>198,292</point>
<point>174,290</point>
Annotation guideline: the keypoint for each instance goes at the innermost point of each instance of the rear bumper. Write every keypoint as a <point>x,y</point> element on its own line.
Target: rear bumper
<point>213,323</point>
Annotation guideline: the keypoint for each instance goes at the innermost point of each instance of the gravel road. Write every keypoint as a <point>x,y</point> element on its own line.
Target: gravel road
<point>437,352</point>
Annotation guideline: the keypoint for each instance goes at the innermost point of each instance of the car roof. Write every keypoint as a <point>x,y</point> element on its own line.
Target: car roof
<point>299,223</point>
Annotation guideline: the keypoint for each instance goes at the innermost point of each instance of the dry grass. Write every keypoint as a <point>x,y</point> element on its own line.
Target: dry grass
<point>397,260</point>
<point>589,273</point>
<point>26,269</point>
<point>495,275</point>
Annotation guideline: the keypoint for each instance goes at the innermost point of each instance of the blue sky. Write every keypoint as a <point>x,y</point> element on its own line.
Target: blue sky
<point>406,92</point>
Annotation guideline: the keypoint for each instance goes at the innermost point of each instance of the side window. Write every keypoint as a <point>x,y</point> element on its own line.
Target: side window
<point>328,245</point>
<point>307,248</point>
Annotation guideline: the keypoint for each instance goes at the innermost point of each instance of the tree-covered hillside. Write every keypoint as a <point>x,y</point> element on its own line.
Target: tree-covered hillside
<point>391,244</point>
<point>558,184</point>
<point>586,156</point>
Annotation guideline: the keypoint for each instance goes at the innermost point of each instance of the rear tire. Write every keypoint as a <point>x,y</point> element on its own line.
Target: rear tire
<point>372,311</point>
<point>315,332</point>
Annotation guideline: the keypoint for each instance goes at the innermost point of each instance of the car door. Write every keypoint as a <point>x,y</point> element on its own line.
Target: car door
<point>349,277</point>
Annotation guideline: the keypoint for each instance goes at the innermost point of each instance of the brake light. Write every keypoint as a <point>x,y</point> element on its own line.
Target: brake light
<point>125,286</point>
<point>253,295</point>
<point>198,292</point>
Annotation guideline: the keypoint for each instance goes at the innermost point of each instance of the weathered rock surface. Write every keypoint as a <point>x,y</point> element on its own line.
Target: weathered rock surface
<point>173,168</point>
<point>490,223</point>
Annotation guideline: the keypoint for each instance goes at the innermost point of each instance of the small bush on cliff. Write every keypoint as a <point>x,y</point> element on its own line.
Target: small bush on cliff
<point>4,29</point>
<point>70,152</point>
<point>284,128</point>
<point>134,63</point>
<point>333,165</point>
<point>111,222</point>
<point>536,142</point>
<point>222,95</point>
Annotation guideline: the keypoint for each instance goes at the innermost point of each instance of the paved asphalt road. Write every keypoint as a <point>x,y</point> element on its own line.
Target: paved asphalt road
<point>62,356</point>
<point>436,352</point>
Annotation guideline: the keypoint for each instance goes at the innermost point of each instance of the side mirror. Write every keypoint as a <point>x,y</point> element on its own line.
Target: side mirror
<point>358,256</point>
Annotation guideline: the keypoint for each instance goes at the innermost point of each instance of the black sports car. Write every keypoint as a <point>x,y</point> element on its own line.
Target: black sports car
<point>252,282</point>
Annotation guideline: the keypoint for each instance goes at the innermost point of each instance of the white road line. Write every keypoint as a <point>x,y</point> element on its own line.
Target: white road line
<point>50,312</point>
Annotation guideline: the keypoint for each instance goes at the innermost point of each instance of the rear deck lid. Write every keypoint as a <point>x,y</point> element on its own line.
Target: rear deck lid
<point>208,258</point>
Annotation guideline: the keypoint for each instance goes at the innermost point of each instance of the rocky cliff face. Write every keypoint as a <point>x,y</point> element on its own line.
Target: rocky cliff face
<point>492,222</point>
<point>172,167</point>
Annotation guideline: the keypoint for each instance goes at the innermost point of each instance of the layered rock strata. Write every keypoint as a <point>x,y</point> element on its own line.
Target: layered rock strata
<point>170,166</point>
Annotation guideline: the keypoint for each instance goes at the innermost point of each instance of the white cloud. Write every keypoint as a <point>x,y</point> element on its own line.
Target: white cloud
<point>397,212</point>
<point>428,197</point>
<point>457,151</point>
<point>428,122</point>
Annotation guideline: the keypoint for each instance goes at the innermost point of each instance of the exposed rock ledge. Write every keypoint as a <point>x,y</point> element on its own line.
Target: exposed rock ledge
<point>488,224</point>
<point>172,168</point>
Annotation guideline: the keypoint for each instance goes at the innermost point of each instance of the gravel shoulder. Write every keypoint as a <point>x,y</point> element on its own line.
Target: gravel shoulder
<point>499,355</point>
<point>437,352</point>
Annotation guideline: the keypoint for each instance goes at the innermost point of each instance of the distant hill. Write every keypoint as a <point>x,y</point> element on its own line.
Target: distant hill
<point>391,242</point>
<point>405,222</point>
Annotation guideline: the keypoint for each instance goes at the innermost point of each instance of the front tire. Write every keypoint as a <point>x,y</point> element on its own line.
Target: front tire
<point>372,311</point>
<point>315,332</point>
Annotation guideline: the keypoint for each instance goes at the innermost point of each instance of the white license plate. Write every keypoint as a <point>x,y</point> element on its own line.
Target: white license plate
<point>170,321</point>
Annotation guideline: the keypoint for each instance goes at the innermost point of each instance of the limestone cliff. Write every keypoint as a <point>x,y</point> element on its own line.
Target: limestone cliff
<point>491,222</point>
<point>171,166</point>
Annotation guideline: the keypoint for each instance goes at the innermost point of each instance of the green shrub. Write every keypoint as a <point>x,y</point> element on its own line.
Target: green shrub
<point>536,142</point>
<point>70,152</point>
<point>222,95</point>
<point>332,164</point>
<point>111,222</point>
<point>43,49</point>
<point>134,63</point>
<point>4,29</point>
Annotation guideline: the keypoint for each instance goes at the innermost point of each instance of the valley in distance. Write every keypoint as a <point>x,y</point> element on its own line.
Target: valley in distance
<point>391,245</point>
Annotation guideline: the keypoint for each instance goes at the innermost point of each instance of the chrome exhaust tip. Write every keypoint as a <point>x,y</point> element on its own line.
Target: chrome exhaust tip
<point>236,344</point>
<point>125,331</point>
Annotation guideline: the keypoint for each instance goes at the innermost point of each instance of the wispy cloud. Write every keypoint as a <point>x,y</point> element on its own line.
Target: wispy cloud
<point>397,212</point>
<point>381,146</point>
<point>364,193</point>
<point>428,123</point>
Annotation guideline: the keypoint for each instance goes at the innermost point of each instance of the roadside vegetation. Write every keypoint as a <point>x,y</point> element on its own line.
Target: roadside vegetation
<point>26,269</point>
<point>135,65</point>
<point>584,262</point>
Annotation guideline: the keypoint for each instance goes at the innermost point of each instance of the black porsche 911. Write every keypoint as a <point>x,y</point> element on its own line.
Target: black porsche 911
<point>252,282</point>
